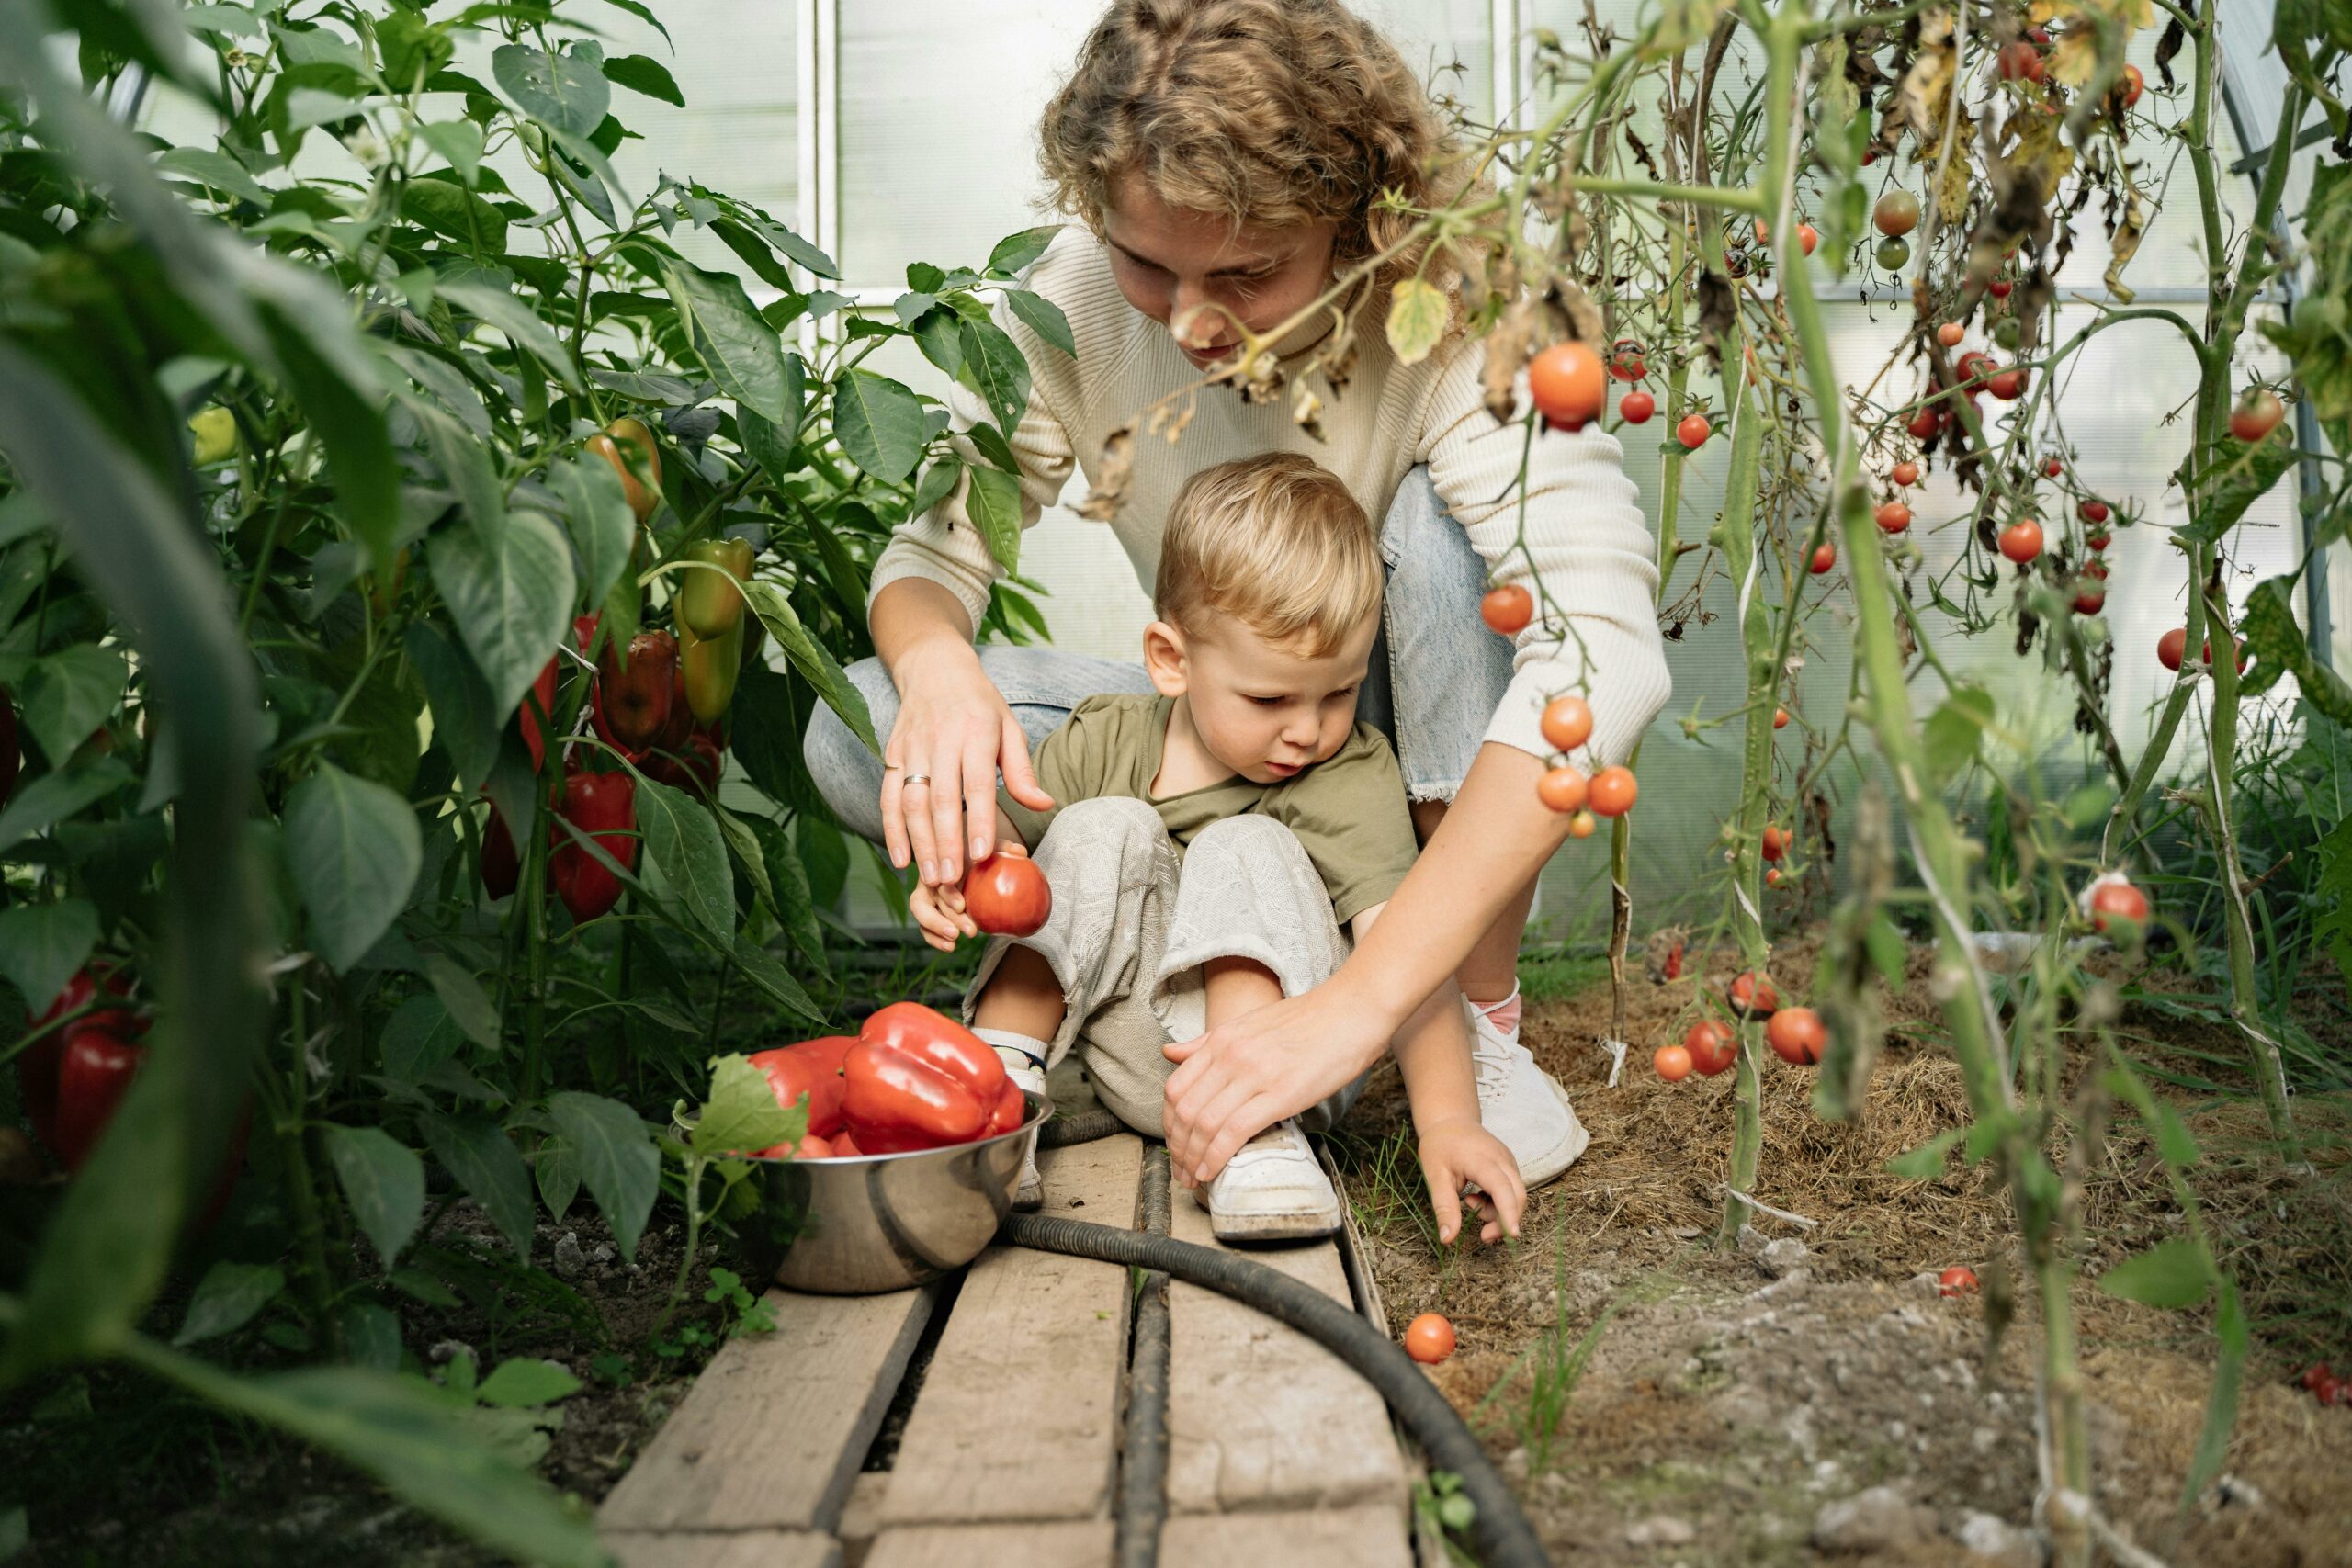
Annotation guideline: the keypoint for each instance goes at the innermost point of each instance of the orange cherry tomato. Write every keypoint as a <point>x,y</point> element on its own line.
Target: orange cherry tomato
<point>1780,718</point>
<point>1956,1281</point>
<point>2021,540</point>
<point>1563,789</point>
<point>1428,1338</point>
<point>1824,556</point>
<point>1567,722</point>
<point>1672,1062</point>
<point>1796,1036</point>
<point>1581,825</point>
<point>1567,384</point>
<point>1949,334</point>
<point>1893,517</point>
<point>1508,609</point>
<point>1906,474</point>
<point>1776,841</point>
<point>1612,791</point>
<point>2171,647</point>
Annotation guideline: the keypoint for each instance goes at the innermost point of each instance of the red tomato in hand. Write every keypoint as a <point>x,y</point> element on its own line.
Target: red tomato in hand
<point>1507,610</point>
<point>1796,1036</point>
<point>1711,1047</point>
<point>1007,895</point>
<point>1428,1338</point>
<point>1567,384</point>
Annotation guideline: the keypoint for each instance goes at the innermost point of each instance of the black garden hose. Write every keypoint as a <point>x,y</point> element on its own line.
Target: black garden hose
<point>1083,1128</point>
<point>1504,1538</point>
<point>1143,1463</point>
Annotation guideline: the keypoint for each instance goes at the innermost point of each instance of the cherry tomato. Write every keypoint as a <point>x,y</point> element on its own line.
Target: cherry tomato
<point>1893,517</point>
<point>1711,1047</point>
<point>2171,646</point>
<point>1999,287</point>
<point>1892,253</point>
<point>2020,61</point>
<point>2090,599</point>
<point>1612,791</point>
<point>1906,473</point>
<point>1672,1062</point>
<point>1776,842</point>
<point>1925,424</point>
<point>1567,722</point>
<point>1796,1036</point>
<point>1625,360</point>
<point>1566,382</point>
<point>1581,825</point>
<point>2129,86</point>
<point>1428,1338</point>
<point>1974,365</point>
<point>2092,510</point>
<point>2257,415</point>
<point>1824,556</point>
<point>1956,1281</point>
<point>1507,610</point>
<point>2021,540</point>
<point>1753,993</point>
<point>1693,431</point>
<point>2118,902</point>
<point>1949,334</point>
<point>1780,718</point>
<point>1771,876</point>
<point>2098,539</point>
<point>1897,214</point>
<point>2007,385</point>
<point>2053,467</point>
<point>1635,407</point>
<point>1008,896</point>
<point>1807,237</point>
<point>2095,569</point>
<point>1563,789</point>
<point>2317,1373</point>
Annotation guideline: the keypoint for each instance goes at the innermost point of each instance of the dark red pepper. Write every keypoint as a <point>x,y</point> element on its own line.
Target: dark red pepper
<point>36,1067</point>
<point>917,1080</point>
<point>542,693</point>
<point>97,1072</point>
<point>501,866</point>
<point>605,806</point>
<point>695,767</point>
<point>633,699</point>
<point>812,1068</point>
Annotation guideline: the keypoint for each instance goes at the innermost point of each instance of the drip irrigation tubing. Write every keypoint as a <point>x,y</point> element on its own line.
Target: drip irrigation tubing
<point>1143,1464</point>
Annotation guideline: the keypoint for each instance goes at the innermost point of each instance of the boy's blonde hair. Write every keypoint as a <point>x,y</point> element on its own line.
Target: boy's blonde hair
<point>1277,543</point>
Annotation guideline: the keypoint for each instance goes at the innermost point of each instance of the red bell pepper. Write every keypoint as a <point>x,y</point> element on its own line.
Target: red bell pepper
<point>501,865</point>
<point>36,1067</point>
<point>97,1072</point>
<point>542,693</point>
<point>603,806</point>
<point>918,1080</point>
<point>633,695</point>
<point>845,1148</point>
<point>812,1068</point>
<point>1011,1109</point>
<point>696,768</point>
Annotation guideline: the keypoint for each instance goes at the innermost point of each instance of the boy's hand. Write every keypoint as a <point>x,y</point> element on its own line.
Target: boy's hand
<point>1454,1153</point>
<point>939,913</point>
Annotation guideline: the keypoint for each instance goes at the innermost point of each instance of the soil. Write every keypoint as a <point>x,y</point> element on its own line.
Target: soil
<point>1804,1394</point>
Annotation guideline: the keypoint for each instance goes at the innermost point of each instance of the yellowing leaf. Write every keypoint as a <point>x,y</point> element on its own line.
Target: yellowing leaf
<point>1415,319</point>
<point>2075,57</point>
<point>2124,246</point>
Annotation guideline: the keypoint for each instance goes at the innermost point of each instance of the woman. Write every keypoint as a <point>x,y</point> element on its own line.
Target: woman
<point>1225,157</point>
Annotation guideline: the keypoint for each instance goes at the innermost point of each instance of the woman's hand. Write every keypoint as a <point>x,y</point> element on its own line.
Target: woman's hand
<point>1455,1153</point>
<point>940,915</point>
<point>1249,1073</point>
<point>939,767</point>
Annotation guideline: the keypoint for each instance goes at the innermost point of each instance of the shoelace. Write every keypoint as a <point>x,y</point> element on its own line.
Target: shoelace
<point>1274,1140</point>
<point>1491,1062</point>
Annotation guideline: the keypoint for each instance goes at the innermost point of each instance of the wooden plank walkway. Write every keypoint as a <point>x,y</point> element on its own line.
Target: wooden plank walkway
<point>1009,1452</point>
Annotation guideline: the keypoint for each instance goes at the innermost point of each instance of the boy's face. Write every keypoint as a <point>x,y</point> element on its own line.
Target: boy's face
<point>1265,711</point>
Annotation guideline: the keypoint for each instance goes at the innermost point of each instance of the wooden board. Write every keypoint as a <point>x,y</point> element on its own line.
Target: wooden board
<point>1072,1543</point>
<point>1322,1537</point>
<point>730,1549</point>
<point>1259,1416</point>
<point>1018,1416</point>
<point>777,1424</point>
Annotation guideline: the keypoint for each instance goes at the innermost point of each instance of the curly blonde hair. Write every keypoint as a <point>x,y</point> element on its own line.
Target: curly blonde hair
<point>1269,112</point>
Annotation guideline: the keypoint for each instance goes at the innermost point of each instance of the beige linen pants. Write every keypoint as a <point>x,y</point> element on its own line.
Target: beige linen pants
<point>1133,923</point>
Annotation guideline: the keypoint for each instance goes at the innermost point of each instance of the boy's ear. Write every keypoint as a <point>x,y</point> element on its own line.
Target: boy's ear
<point>1166,659</point>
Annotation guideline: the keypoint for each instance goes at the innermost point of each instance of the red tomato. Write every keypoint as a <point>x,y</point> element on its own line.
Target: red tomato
<point>1975,364</point>
<point>2090,599</point>
<point>2021,540</point>
<point>1776,842</point>
<point>1824,556</point>
<point>1566,382</point>
<point>1807,237</point>
<point>1949,334</point>
<point>1925,424</point>
<point>2093,510</point>
<point>1771,876</point>
<point>1007,895</point>
<point>2095,569</point>
<point>2317,1373</point>
<point>2007,385</point>
<point>1507,610</point>
<point>1581,825</point>
<point>1612,791</point>
<point>1956,1281</point>
<point>2020,61</point>
<point>1625,361</point>
<point>1796,1036</point>
<point>1752,993</point>
<point>1897,214</point>
<point>1563,789</point>
<point>2257,415</point>
<point>2171,646</point>
<point>1906,474</point>
<point>2098,539</point>
<point>1567,722</point>
<point>1893,517</point>
<point>1693,431</point>
<point>2118,902</point>
<point>1711,1047</point>
<point>2129,85</point>
<point>1780,718</point>
<point>2053,467</point>
<point>1999,287</point>
<point>1671,1062</point>
<point>1428,1338</point>
<point>1635,407</point>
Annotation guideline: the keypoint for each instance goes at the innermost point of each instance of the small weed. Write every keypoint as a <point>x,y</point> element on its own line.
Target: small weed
<point>1555,1366</point>
<point>1440,1505</point>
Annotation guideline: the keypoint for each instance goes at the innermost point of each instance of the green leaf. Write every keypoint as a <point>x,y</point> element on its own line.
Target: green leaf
<point>746,850</point>
<point>462,719</point>
<point>445,206</point>
<point>465,461</point>
<point>462,998</point>
<point>641,73</point>
<point>937,333</point>
<point>512,599</point>
<point>1417,312</point>
<point>567,92</point>
<point>2270,631</point>
<point>764,970</point>
<point>1955,730</point>
<point>216,170</point>
<point>1681,24</point>
<point>616,1159</point>
<point>740,351</point>
<point>419,1037</point>
<point>991,444</point>
<point>41,945</point>
<point>70,693</point>
<point>406,1436</point>
<point>1016,251</point>
<point>2239,475</point>
<point>742,1116</point>
<point>767,443</point>
<point>384,1183</point>
<point>226,1299</point>
<point>681,838</point>
<point>478,1152</point>
<point>795,905</point>
<point>354,851</point>
<point>878,424</point>
<point>810,657</point>
<point>2222,1404</point>
<point>1928,1161</point>
<point>345,408</point>
<point>1045,319</point>
<point>993,503</point>
<point>459,144</point>
<point>603,529</point>
<point>524,1381</point>
<point>58,795</point>
<point>938,482</point>
<point>2172,1273</point>
<point>514,318</point>
<point>993,366</point>
<point>556,1168</point>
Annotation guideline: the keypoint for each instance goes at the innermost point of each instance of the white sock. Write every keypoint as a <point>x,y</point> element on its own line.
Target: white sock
<point>1019,1052</point>
<point>1504,1015</point>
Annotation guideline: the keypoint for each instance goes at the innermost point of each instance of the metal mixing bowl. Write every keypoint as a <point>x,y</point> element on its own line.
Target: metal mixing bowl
<point>856,1228</point>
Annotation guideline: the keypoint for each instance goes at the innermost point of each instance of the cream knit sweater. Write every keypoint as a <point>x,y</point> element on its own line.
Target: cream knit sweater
<point>1584,534</point>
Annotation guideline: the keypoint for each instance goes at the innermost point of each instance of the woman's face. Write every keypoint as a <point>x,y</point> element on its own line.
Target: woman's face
<point>1170,262</point>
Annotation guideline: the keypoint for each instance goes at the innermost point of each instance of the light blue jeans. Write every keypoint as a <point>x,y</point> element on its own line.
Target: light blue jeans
<point>1436,673</point>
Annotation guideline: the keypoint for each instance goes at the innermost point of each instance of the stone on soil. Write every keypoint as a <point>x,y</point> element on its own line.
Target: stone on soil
<point>1880,1519</point>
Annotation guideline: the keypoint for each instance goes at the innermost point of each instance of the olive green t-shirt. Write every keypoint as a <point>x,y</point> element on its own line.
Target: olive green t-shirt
<point>1349,810</point>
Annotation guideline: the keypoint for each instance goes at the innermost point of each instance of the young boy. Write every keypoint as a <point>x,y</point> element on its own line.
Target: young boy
<point>1211,843</point>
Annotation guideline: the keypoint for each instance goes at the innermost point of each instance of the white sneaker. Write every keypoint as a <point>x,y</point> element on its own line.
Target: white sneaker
<point>1030,1077</point>
<point>1274,1189</point>
<point>1522,1104</point>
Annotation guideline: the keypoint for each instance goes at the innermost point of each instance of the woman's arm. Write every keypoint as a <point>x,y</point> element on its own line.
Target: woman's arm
<point>1250,1072</point>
